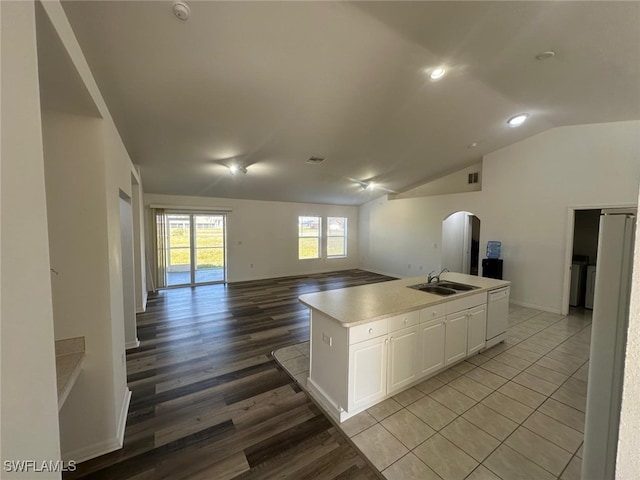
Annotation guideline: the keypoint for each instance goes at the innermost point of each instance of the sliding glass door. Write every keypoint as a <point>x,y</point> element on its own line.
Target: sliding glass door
<point>194,248</point>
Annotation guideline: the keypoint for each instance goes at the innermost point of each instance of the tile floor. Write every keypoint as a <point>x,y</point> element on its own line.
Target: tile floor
<point>513,411</point>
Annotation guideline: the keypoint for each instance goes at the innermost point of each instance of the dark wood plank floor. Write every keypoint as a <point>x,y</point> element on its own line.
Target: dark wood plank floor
<point>209,401</point>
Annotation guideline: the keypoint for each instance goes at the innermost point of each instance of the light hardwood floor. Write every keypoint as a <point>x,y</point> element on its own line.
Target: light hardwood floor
<point>209,401</point>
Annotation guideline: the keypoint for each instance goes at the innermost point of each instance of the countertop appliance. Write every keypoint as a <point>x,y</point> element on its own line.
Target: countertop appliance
<point>608,341</point>
<point>497,316</point>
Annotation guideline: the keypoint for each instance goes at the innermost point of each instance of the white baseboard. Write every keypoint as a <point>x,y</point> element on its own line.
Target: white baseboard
<point>133,344</point>
<point>537,307</point>
<point>101,448</point>
<point>122,419</point>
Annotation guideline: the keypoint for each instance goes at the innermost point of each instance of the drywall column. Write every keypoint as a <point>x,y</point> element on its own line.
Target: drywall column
<point>29,414</point>
<point>128,274</point>
<point>628,461</point>
<point>138,245</point>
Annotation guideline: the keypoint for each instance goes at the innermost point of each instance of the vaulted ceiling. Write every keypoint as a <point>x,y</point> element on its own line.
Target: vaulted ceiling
<point>267,85</point>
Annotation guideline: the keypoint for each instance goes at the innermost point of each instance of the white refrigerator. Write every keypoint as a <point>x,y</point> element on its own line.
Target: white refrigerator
<point>608,340</point>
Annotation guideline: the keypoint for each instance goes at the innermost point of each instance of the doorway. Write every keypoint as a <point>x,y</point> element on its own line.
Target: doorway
<point>195,249</point>
<point>128,272</point>
<point>461,242</point>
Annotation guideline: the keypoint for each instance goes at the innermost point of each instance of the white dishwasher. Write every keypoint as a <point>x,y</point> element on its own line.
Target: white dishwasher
<point>497,316</point>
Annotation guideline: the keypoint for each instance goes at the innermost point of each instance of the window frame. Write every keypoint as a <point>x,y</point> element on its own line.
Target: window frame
<point>344,237</point>
<point>318,237</point>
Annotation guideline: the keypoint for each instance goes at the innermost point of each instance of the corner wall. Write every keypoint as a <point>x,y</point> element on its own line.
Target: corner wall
<point>28,398</point>
<point>527,189</point>
<point>265,234</point>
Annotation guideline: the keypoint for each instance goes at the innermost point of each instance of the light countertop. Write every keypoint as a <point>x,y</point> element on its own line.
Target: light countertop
<point>354,305</point>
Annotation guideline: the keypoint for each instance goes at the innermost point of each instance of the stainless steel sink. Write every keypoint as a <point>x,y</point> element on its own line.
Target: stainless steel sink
<point>462,287</point>
<point>443,288</point>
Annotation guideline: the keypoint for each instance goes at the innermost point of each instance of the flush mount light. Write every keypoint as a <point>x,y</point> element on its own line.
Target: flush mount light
<point>233,169</point>
<point>315,160</point>
<point>437,73</point>
<point>545,55</point>
<point>517,120</point>
<point>472,145</point>
<point>370,186</point>
<point>181,10</point>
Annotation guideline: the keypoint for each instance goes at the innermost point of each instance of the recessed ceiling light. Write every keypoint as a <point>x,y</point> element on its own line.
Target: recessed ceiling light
<point>546,55</point>
<point>517,120</point>
<point>437,73</point>
<point>472,145</point>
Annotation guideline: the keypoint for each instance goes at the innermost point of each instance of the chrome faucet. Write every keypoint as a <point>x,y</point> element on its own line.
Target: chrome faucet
<point>431,277</point>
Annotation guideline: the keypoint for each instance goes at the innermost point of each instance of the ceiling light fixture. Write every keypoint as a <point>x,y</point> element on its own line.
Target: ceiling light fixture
<point>181,10</point>
<point>315,160</point>
<point>546,55</point>
<point>370,186</point>
<point>472,145</point>
<point>437,73</point>
<point>233,169</point>
<point>517,120</point>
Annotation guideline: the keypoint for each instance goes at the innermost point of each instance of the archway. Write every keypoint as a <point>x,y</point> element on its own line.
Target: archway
<point>461,242</point>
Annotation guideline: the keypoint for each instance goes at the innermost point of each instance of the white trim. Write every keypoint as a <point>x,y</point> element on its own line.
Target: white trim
<point>133,344</point>
<point>101,448</point>
<point>188,208</point>
<point>297,274</point>
<point>122,420</point>
<point>387,274</point>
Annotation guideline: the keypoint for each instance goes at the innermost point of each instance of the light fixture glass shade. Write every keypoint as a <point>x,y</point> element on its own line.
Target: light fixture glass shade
<point>517,120</point>
<point>437,73</point>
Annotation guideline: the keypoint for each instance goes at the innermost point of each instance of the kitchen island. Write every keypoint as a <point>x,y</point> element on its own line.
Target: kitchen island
<point>372,341</point>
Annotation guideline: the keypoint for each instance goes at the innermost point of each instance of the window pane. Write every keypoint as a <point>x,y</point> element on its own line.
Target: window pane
<point>336,226</point>
<point>335,247</point>
<point>308,248</point>
<point>309,226</point>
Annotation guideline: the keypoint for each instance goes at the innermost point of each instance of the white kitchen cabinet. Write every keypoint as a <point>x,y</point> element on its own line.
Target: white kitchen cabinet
<point>476,329</point>
<point>403,359</point>
<point>455,337</point>
<point>432,336</point>
<point>367,372</point>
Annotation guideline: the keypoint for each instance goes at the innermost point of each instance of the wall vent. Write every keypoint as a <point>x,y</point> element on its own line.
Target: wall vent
<point>473,178</point>
<point>315,160</point>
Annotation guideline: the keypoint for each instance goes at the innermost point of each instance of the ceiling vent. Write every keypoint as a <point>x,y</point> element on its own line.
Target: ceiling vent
<point>315,160</point>
<point>473,178</point>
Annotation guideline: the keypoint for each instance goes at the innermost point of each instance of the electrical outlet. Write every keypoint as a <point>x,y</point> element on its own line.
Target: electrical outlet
<point>327,339</point>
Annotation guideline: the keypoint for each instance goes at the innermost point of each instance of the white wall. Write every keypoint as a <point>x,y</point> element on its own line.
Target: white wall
<point>456,182</point>
<point>628,462</point>
<point>128,275</point>
<point>265,234</point>
<point>453,228</point>
<point>29,407</point>
<point>95,168</point>
<point>139,257</point>
<point>527,189</point>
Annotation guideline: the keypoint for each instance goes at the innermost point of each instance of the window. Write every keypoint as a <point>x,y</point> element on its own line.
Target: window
<point>309,229</point>
<point>336,237</point>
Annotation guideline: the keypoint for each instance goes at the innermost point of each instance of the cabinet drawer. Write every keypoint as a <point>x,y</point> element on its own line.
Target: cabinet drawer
<point>405,320</point>
<point>466,302</point>
<point>367,330</point>
<point>431,313</point>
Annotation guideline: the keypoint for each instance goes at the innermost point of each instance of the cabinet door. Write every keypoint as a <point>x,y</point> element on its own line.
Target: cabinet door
<point>367,372</point>
<point>432,343</point>
<point>455,337</point>
<point>476,329</point>
<point>403,359</point>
